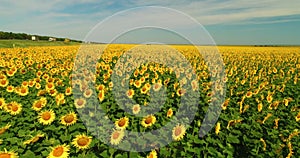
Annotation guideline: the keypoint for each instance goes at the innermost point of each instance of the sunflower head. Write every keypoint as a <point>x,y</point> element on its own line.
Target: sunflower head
<point>61,151</point>
<point>68,91</point>
<point>101,95</point>
<point>130,93</point>
<point>8,154</point>
<point>136,109</point>
<point>46,117</point>
<point>82,141</point>
<point>69,119</point>
<point>10,88</point>
<point>2,103</point>
<point>148,121</point>
<point>170,113</point>
<point>122,123</point>
<point>218,127</point>
<point>116,137</point>
<point>80,103</point>
<point>152,154</point>
<point>39,104</point>
<point>178,132</point>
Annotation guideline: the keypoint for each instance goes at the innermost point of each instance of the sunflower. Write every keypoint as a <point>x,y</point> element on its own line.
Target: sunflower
<point>195,85</point>
<point>2,103</point>
<point>23,91</point>
<point>101,87</point>
<point>256,91</point>
<point>137,83</point>
<point>298,117</point>
<point>8,154</point>
<point>152,154</point>
<point>14,108</point>
<point>80,103</point>
<point>178,132</point>
<point>82,141</point>
<point>87,93</point>
<point>136,109</point>
<point>122,123</point>
<point>52,92</point>
<point>144,90</point>
<point>24,84</point>
<point>10,73</point>
<point>116,137</point>
<point>249,94</point>
<point>3,82</point>
<point>166,81</point>
<point>5,128</point>
<point>2,76</point>
<point>34,139</point>
<point>148,121</point>
<point>68,91</point>
<point>274,105</point>
<point>225,104</point>
<point>170,113</point>
<point>267,117</point>
<point>60,151</point>
<point>181,92</point>
<point>31,83</point>
<point>39,104</point>
<point>69,119</point>
<point>130,93</point>
<point>60,99</point>
<point>46,117</point>
<point>218,127</point>
<point>111,85</point>
<point>38,86</point>
<point>286,102</point>
<point>10,88</point>
<point>264,144</point>
<point>269,98</point>
<point>157,86</point>
<point>259,107</point>
<point>101,95</point>
<point>233,122</point>
<point>148,85</point>
<point>50,86</point>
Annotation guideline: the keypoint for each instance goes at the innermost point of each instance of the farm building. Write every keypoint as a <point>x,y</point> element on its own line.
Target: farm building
<point>33,38</point>
<point>52,39</point>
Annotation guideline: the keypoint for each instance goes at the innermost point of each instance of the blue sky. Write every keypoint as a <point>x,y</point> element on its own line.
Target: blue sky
<point>228,22</point>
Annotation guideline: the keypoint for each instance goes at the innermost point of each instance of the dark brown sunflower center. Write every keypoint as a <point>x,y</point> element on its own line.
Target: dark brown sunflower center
<point>148,120</point>
<point>69,118</point>
<point>80,102</point>
<point>23,90</point>
<point>46,116</point>
<point>58,151</point>
<point>14,108</point>
<point>177,131</point>
<point>115,135</point>
<point>38,104</point>
<point>5,155</point>
<point>122,122</point>
<point>82,141</point>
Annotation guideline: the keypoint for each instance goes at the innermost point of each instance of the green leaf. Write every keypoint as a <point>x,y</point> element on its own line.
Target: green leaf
<point>232,139</point>
<point>29,154</point>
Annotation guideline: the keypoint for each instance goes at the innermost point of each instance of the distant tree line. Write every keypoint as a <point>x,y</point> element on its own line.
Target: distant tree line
<point>24,36</point>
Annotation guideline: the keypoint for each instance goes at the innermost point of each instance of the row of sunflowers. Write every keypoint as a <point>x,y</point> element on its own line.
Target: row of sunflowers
<point>48,108</point>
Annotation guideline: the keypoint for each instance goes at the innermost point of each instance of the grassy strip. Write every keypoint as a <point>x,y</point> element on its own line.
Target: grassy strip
<point>29,43</point>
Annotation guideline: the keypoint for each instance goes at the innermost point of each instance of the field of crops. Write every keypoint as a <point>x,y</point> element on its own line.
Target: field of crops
<point>40,115</point>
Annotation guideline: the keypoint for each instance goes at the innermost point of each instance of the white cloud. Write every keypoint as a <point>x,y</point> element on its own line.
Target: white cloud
<point>48,17</point>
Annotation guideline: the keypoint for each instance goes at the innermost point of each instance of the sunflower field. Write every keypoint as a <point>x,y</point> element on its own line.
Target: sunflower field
<point>40,111</point>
